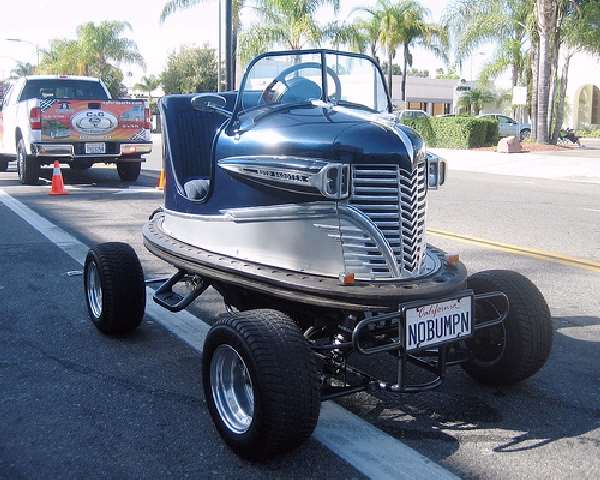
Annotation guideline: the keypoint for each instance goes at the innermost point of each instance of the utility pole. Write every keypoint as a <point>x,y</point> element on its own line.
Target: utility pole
<point>220,47</point>
<point>228,44</point>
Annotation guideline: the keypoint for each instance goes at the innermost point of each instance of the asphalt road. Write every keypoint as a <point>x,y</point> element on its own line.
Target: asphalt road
<point>74,403</point>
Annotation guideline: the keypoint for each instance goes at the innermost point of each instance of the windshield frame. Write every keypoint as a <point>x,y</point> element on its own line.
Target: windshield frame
<point>238,109</point>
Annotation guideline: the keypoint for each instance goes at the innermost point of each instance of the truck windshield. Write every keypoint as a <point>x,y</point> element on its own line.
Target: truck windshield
<point>286,79</point>
<point>63,88</point>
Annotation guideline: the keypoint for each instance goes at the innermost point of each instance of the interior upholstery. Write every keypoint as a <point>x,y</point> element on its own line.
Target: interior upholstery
<point>190,136</point>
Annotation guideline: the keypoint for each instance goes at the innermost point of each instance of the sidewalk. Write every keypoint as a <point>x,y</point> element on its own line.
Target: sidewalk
<point>582,167</point>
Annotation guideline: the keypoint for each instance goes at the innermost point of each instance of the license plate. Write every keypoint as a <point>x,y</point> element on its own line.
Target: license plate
<point>428,325</point>
<point>95,148</point>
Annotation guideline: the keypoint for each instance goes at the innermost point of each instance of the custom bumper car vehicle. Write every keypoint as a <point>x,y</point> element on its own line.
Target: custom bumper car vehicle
<point>302,201</point>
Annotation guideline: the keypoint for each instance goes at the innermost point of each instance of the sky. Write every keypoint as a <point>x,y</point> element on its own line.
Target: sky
<point>38,21</point>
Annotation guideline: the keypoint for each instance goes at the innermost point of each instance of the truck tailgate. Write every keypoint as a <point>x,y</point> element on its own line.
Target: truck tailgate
<point>68,120</point>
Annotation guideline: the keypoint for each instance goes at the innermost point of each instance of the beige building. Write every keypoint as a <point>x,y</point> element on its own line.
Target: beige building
<point>435,96</point>
<point>583,92</point>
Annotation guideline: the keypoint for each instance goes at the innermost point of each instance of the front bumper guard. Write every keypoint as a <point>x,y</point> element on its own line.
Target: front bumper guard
<point>433,359</point>
<point>68,151</point>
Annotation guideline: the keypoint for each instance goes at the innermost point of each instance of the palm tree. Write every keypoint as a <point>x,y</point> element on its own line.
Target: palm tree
<point>103,43</point>
<point>22,69</point>
<point>358,36</point>
<point>546,16</point>
<point>404,24</point>
<point>95,51</point>
<point>172,6</point>
<point>474,100</point>
<point>502,22</point>
<point>148,84</point>
<point>287,23</point>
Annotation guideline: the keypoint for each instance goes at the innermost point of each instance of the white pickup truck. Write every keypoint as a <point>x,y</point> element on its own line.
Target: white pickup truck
<point>73,119</point>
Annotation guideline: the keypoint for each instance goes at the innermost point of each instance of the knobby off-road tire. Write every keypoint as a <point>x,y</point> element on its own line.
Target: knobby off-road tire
<point>3,164</point>
<point>114,288</point>
<point>282,375</point>
<point>514,351</point>
<point>129,172</point>
<point>28,166</point>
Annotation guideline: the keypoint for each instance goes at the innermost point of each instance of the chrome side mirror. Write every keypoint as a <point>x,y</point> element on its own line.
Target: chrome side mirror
<point>210,102</point>
<point>436,171</point>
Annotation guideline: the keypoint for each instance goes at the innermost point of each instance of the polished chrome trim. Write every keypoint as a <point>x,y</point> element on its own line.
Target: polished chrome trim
<point>52,150</point>
<point>94,290</point>
<point>296,174</point>
<point>260,214</point>
<point>232,389</point>
<point>364,223</point>
<point>441,168</point>
<point>282,212</point>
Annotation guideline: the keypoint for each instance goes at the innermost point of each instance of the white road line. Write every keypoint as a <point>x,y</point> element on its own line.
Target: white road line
<point>365,447</point>
<point>595,210</point>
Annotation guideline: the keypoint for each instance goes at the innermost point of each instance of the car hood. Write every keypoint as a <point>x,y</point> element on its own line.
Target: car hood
<point>337,134</point>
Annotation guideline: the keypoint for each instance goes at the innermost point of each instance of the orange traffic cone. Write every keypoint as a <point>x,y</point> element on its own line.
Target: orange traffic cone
<point>161,180</point>
<point>58,186</point>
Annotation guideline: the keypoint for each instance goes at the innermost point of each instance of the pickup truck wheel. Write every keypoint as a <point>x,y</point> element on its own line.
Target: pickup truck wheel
<point>525,134</point>
<point>260,382</point>
<point>3,164</point>
<point>129,172</point>
<point>28,166</point>
<point>114,288</point>
<point>509,353</point>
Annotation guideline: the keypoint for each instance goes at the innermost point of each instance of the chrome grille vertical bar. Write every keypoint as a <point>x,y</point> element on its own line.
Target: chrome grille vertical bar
<point>395,201</point>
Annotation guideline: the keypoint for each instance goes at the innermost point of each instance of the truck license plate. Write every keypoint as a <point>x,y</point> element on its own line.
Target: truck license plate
<point>436,323</point>
<point>95,147</point>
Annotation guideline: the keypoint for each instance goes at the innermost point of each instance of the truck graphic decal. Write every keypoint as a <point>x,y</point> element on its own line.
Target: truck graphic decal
<point>81,120</point>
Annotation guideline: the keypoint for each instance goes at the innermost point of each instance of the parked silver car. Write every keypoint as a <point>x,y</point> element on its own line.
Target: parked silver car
<point>508,127</point>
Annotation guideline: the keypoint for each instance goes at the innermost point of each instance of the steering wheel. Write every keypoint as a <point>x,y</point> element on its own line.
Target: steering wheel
<point>269,96</point>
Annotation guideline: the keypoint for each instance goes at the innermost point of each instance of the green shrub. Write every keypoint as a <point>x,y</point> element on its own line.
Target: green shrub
<point>423,126</point>
<point>456,132</point>
<point>589,133</point>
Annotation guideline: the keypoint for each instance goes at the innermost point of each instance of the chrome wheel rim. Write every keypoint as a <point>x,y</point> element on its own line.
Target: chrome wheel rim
<point>232,390</point>
<point>94,290</point>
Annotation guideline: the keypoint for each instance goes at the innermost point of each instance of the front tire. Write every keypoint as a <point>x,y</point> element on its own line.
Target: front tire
<point>114,288</point>
<point>28,167</point>
<point>525,134</point>
<point>515,350</point>
<point>129,172</point>
<point>260,383</point>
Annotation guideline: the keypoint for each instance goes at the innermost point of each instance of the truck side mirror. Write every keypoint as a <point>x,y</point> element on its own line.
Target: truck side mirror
<point>210,102</point>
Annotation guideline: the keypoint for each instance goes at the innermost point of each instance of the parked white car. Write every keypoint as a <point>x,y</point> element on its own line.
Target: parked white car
<point>508,127</point>
<point>410,114</point>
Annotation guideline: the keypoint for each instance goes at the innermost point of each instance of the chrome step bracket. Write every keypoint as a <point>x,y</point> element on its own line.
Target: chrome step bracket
<point>173,301</point>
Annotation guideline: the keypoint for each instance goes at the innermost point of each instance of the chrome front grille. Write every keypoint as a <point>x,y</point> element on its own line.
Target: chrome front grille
<point>395,201</point>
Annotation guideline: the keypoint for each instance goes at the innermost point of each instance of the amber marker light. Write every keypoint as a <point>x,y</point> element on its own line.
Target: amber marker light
<point>452,259</point>
<point>346,278</point>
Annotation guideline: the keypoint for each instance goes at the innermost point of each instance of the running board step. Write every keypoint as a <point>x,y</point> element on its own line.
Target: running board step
<point>173,301</point>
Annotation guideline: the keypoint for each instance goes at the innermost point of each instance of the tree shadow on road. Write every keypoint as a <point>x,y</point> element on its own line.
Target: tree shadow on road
<point>558,403</point>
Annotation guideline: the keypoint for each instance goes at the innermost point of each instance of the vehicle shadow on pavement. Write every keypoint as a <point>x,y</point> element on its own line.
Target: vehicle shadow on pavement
<point>556,404</point>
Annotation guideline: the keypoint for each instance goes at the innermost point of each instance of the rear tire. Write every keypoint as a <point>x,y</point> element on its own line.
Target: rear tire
<point>3,164</point>
<point>129,172</point>
<point>28,166</point>
<point>512,352</point>
<point>114,288</point>
<point>281,390</point>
